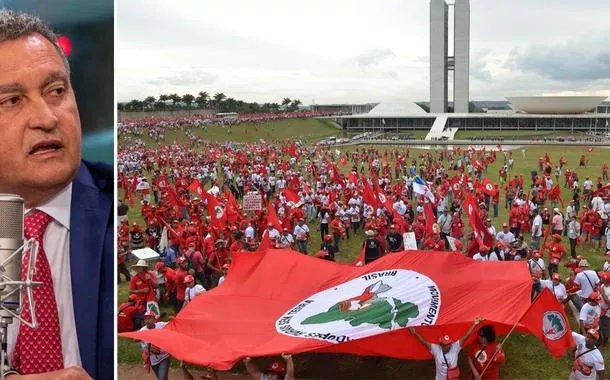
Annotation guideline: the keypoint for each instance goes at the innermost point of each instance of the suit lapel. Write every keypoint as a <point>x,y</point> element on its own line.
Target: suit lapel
<point>89,216</point>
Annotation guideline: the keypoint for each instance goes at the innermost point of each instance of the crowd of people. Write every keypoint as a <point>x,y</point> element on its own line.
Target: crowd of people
<point>391,200</point>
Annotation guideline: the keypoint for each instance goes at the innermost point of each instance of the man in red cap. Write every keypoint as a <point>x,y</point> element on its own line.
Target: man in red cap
<point>157,359</point>
<point>590,313</point>
<point>181,273</point>
<point>446,353</point>
<point>556,251</point>
<point>126,319</point>
<point>192,290</point>
<point>588,360</point>
<point>274,371</point>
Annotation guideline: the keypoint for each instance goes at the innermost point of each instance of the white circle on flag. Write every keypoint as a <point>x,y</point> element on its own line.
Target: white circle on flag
<point>371,304</point>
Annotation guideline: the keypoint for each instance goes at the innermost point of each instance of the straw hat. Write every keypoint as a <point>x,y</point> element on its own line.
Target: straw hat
<point>141,263</point>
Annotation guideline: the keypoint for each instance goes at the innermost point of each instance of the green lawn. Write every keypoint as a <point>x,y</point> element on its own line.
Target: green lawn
<point>526,357</point>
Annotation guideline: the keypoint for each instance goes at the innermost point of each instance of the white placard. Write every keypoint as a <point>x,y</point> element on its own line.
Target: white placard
<point>409,241</point>
<point>253,201</point>
<point>147,254</point>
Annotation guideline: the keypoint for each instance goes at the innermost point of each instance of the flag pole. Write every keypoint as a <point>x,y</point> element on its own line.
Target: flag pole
<point>501,345</point>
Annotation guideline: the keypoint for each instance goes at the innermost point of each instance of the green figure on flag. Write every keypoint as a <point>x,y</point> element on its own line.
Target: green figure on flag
<point>369,307</point>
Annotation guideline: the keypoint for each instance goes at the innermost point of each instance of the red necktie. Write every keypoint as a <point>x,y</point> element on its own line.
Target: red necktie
<point>39,350</point>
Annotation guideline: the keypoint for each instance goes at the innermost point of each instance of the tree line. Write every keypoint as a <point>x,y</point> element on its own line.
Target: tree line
<point>219,103</point>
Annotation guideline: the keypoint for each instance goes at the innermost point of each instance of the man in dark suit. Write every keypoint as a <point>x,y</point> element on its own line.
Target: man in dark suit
<point>68,204</point>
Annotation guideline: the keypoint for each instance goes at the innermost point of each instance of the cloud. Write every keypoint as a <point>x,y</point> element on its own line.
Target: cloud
<point>186,78</point>
<point>572,61</point>
<point>373,56</point>
<point>478,66</point>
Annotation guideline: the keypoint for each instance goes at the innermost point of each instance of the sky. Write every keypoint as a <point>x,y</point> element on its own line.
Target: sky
<point>353,51</point>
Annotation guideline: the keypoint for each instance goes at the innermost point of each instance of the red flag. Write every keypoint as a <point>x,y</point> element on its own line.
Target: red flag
<point>291,196</point>
<point>477,164</point>
<point>272,217</point>
<point>430,218</point>
<point>302,304</point>
<point>266,242</point>
<point>196,187</point>
<point>555,194</point>
<point>174,199</point>
<point>360,259</point>
<point>368,196</point>
<point>343,161</point>
<point>547,321</point>
<point>306,188</point>
<point>382,198</point>
<point>456,186</point>
<point>295,184</point>
<point>292,150</point>
<point>478,227</point>
<point>353,176</point>
<point>489,187</point>
<point>232,208</point>
<point>162,182</point>
<point>216,212</point>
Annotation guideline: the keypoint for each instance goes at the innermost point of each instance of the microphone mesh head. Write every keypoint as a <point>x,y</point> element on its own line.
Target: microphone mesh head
<point>11,216</point>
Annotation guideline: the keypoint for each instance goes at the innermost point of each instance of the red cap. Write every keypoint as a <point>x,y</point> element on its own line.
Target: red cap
<point>150,313</point>
<point>458,244</point>
<point>483,248</point>
<point>188,278</point>
<point>556,276</point>
<point>328,237</point>
<point>594,296</point>
<point>536,253</point>
<point>226,266</point>
<point>445,339</point>
<point>276,366</point>
<point>593,333</point>
<point>181,259</point>
<point>556,236</point>
<point>159,265</point>
<point>132,297</point>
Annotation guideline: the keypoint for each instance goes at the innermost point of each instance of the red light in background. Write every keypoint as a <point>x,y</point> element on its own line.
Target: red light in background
<point>65,44</point>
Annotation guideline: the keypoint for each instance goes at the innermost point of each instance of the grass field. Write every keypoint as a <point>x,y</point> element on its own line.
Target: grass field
<point>526,357</point>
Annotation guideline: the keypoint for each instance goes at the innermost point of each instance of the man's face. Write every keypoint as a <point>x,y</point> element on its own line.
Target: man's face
<point>40,134</point>
<point>149,321</point>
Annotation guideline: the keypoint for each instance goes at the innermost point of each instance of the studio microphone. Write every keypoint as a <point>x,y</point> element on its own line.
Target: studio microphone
<point>13,287</point>
<point>11,239</point>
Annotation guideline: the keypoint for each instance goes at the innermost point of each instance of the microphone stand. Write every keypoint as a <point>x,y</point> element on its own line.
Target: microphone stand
<point>10,309</point>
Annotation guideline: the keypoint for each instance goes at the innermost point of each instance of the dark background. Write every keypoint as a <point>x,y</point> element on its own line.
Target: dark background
<point>89,24</point>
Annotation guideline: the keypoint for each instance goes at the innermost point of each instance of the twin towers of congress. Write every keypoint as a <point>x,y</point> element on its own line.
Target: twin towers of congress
<point>440,61</point>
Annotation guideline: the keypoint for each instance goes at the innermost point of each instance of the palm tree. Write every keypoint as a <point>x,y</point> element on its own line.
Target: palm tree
<point>202,99</point>
<point>149,102</point>
<point>175,98</point>
<point>188,100</point>
<point>294,105</point>
<point>218,98</point>
<point>286,102</point>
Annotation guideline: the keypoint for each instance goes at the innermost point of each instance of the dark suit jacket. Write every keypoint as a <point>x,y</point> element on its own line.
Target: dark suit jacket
<point>92,266</point>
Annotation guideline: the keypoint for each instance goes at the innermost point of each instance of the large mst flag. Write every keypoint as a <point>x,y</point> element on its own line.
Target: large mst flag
<point>284,301</point>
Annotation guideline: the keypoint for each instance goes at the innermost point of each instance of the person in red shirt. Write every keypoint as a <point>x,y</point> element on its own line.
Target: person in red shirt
<point>419,229</point>
<point>556,253</point>
<point>181,273</point>
<point>170,283</point>
<point>126,320</point>
<point>485,353</point>
<point>457,226</point>
<point>143,285</point>
<point>435,243</point>
<point>514,219</point>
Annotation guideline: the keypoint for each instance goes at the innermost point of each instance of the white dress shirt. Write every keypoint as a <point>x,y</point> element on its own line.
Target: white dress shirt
<point>56,244</point>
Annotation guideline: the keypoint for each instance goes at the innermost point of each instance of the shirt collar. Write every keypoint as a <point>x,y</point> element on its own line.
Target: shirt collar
<point>58,207</point>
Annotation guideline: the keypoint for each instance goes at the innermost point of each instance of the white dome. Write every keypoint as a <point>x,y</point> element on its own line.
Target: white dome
<point>555,104</point>
<point>389,109</point>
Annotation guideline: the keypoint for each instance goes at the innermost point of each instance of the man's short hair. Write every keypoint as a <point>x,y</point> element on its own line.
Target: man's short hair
<point>15,25</point>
